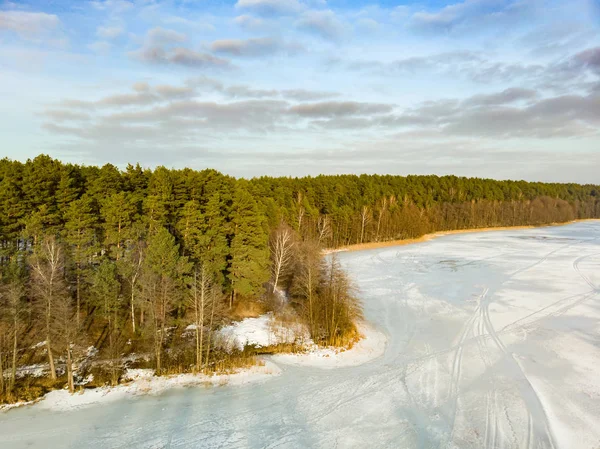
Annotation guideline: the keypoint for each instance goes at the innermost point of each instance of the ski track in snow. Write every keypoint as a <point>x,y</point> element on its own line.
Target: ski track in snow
<point>493,341</point>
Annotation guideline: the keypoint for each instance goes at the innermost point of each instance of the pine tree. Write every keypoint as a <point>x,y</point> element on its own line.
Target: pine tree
<point>191,230</point>
<point>130,267</point>
<point>11,220</point>
<point>159,200</point>
<point>79,234</point>
<point>249,265</point>
<point>163,276</point>
<point>118,212</point>
<point>67,191</point>
<point>106,295</point>
<point>215,249</point>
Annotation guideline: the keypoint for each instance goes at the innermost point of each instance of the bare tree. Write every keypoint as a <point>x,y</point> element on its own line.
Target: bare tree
<point>14,307</point>
<point>200,300</point>
<point>3,333</point>
<point>282,245</point>
<point>216,308</point>
<point>48,285</point>
<point>158,293</point>
<point>365,218</point>
<point>310,266</point>
<point>301,210</point>
<point>65,331</point>
<point>324,227</point>
<point>130,268</point>
<point>381,213</point>
<point>339,306</point>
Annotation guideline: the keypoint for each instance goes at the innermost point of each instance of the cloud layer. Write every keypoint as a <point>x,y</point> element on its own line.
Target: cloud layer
<point>306,86</point>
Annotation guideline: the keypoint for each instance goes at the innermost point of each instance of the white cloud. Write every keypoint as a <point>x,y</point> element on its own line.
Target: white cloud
<point>253,47</point>
<point>163,36</point>
<point>271,6</point>
<point>113,6</point>
<point>100,47</point>
<point>250,23</point>
<point>109,32</point>
<point>179,56</point>
<point>322,23</point>
<point>28,24</point>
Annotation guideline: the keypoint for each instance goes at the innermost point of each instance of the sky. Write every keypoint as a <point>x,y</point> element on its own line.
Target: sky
<point>487,88</point>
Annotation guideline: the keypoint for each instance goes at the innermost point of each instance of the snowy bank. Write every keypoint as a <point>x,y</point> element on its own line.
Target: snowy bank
<point>368,348</point>
<point>143,381</point>
<point>261,332</point>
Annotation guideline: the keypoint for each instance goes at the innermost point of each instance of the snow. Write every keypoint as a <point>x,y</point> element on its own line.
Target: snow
<point>260,332</point>
<point>370,347</point>
<point>144,382</point>
<point>35,370</point>
<point>492,341</point>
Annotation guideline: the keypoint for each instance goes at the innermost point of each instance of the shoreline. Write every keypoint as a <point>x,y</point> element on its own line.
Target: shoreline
<point>142,382</point>
<point>434,235</point>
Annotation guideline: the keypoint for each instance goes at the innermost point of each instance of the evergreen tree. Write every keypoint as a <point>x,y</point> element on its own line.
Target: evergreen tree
<point>12,218</point>
<point>80,236</point>
<point>163,275</point>
<point>106,294</point>
<point>67,191</point>
<point>118,212</point>
<point>249,265</point>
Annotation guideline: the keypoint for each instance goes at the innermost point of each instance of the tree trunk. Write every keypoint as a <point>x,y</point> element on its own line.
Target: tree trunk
<point>70,370</point>
<point>132,310</point>
<point>50,359</point>
<point>201,323</point>
<point>212,314</point>
<point>78,289</point>
<point>13,372</point>
<point>1,372</point>
<point>157,347</point>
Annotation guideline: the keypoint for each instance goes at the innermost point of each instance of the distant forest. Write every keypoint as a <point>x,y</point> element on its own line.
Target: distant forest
<point>119,259</point>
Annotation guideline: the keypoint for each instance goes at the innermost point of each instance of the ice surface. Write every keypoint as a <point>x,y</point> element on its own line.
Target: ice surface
<point>493,341</point>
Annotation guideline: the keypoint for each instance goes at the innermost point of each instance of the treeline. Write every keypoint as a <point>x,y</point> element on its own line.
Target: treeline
<point>134,261</point>
<point>348,209</point>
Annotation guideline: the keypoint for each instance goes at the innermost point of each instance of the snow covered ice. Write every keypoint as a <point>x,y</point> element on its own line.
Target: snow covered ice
<point>493,341</point>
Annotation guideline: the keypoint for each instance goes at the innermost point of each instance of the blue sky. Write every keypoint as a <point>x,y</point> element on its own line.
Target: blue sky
<point>489,88</point>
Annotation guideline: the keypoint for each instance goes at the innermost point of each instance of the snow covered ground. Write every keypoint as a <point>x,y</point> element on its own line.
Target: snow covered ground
<point>493,341</point>
<point>260,332</point>
<point>143,381</point>
<point>370,347</point>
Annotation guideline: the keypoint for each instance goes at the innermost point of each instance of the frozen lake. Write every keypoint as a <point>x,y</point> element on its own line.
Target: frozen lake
<point>493,341</point>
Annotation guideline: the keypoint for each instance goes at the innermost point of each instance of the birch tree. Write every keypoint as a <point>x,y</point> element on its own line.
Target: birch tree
<point>130,269</point>
<point>365,218</point>
<point>200,300</point>
<point>324,228</point>
<point>48,287</point>
<point>282,249</point>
